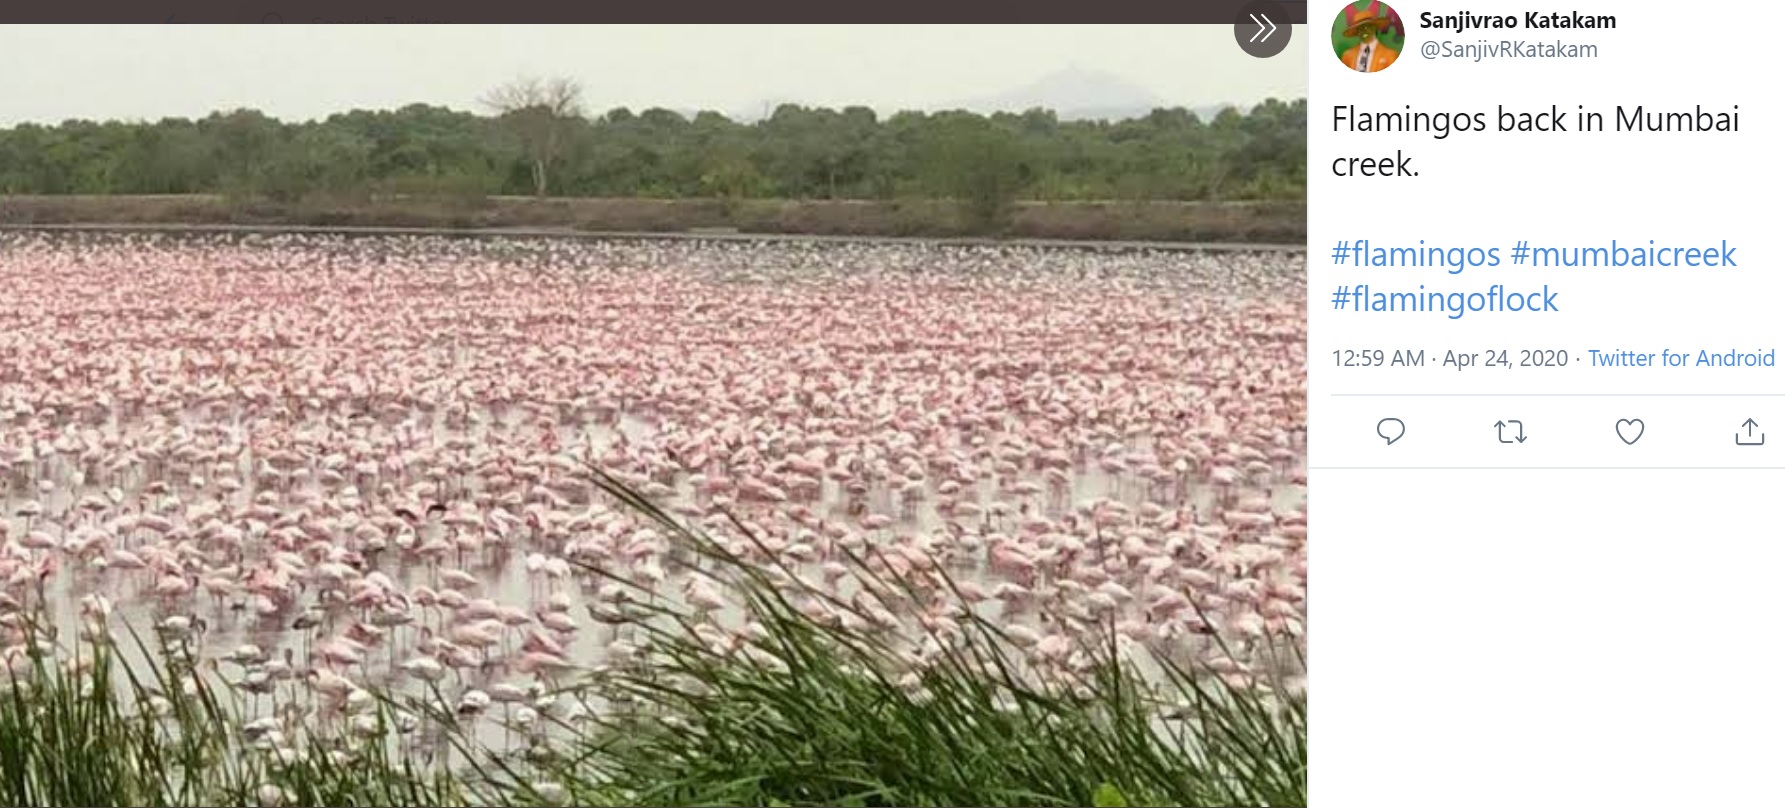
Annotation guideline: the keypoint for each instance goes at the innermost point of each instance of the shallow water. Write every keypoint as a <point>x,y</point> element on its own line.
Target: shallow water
<point>914,355</point>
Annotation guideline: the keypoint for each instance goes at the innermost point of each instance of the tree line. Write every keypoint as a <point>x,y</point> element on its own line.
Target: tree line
<point>536,140</point>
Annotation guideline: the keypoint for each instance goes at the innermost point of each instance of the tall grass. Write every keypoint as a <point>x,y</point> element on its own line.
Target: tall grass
<point>811,711</point>
<point>814,712</point>
<point>92,731</point>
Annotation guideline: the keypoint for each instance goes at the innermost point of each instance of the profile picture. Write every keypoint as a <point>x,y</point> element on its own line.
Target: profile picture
<point>1368,35</point>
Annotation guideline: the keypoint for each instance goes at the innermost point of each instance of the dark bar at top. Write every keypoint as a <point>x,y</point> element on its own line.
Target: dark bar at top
<point>1214,12</point>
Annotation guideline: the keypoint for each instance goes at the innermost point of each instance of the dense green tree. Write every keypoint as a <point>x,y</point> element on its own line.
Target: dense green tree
<point>794,152</point>
<point>978,162</point>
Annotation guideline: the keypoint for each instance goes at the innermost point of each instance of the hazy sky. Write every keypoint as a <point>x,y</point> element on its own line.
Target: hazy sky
<point>49,73</point>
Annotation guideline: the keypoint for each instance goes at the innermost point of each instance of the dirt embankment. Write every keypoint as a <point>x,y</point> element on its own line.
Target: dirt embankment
<point>1241,222</point>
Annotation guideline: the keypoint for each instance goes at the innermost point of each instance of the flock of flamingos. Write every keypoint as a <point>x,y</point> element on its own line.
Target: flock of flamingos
<point>330,464</point>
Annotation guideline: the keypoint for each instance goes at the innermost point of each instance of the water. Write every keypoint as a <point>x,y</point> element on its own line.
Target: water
<point>1153,401</point>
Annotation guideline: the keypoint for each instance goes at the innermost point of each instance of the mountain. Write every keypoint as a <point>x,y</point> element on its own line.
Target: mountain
<point>1074,94</point>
